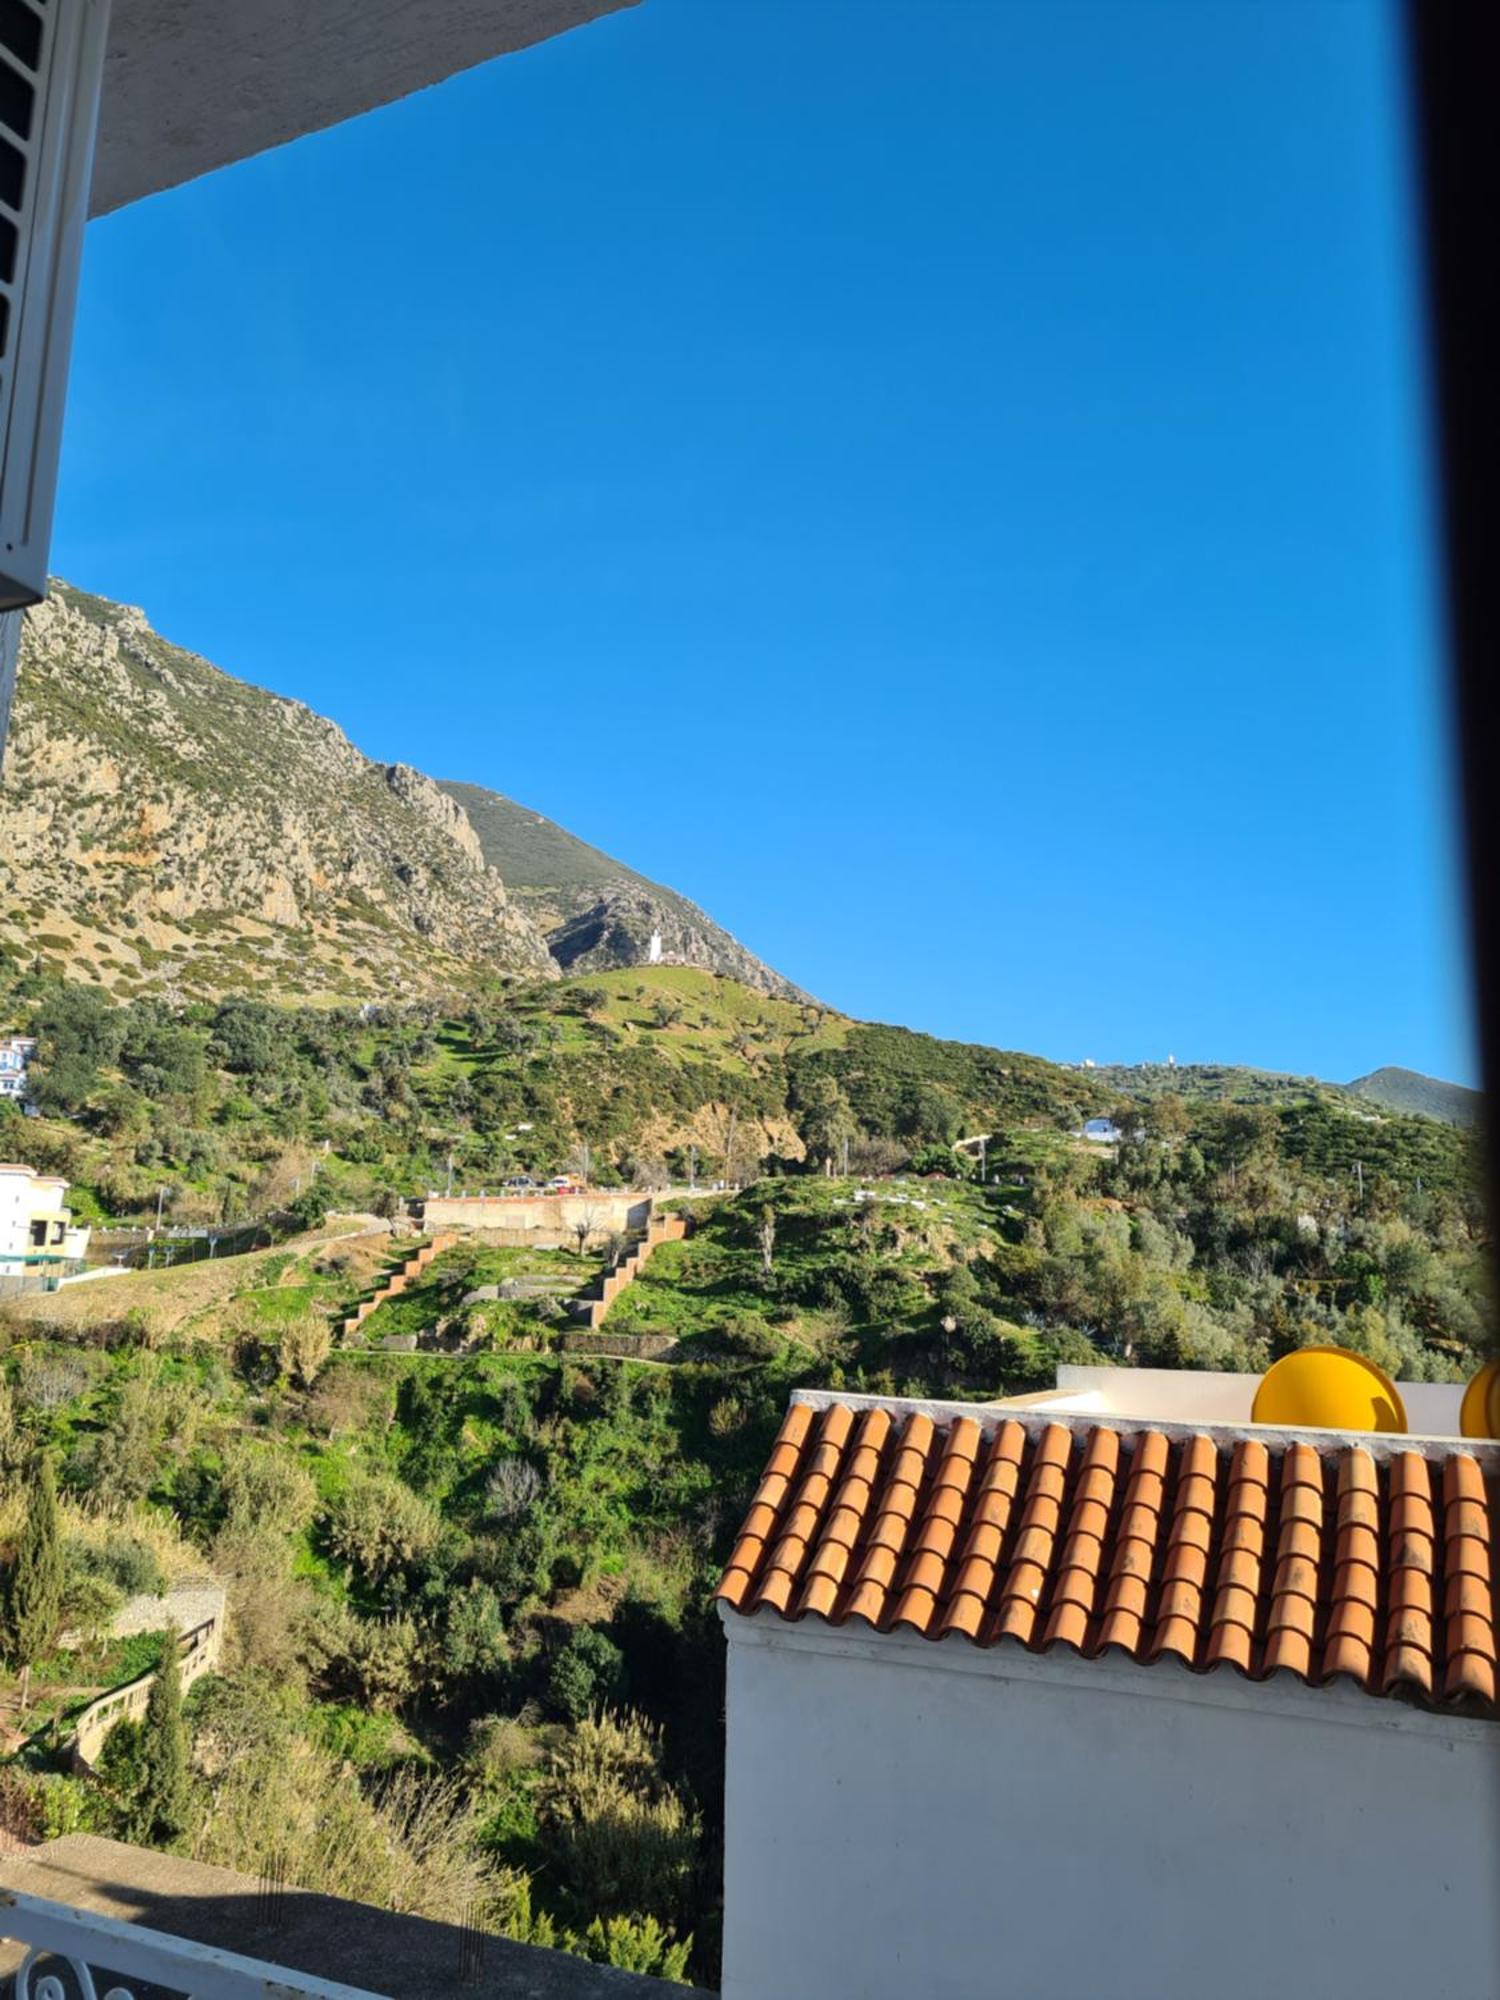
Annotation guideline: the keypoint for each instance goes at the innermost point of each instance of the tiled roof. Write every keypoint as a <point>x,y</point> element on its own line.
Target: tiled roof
<point>1320,1559</point>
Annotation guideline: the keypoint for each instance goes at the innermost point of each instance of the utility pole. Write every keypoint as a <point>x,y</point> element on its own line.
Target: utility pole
<point>450,1173</point>
<point>1359,1176</point>
<point>845,1159</point>
<point>983,1159</point>
<point>692,1168</point>
<point>161,1195</point>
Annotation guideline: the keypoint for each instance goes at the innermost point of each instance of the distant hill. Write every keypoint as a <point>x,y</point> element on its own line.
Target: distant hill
<point>596,913</point>
<point>1403,1091</point>
<point>1409,1090</point>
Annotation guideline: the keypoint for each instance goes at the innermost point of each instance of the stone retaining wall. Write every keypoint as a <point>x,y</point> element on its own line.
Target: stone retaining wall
<point>186,1606</point>
<point>527,1219</point>
<point>198,1654</point>
<point>623,1346</point>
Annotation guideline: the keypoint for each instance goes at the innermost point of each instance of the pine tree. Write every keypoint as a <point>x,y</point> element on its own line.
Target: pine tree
<point>32,1606</point>
<point>166,1786</point>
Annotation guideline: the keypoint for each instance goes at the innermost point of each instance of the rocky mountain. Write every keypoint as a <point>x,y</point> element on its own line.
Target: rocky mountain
<point>598,914</point>
<point>166,828</point>
<point>1408,1090</point>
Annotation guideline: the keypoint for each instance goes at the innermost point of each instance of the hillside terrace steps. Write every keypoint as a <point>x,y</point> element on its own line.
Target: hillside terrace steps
<point>627,1268</point>
<point>397,1283</point>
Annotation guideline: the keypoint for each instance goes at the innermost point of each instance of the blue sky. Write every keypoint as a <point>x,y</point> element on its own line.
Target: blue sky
<point>941,484</point>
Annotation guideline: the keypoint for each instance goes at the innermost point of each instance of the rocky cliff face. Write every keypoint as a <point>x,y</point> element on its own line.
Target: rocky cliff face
<point>616,928</point>
<point>165,827</point>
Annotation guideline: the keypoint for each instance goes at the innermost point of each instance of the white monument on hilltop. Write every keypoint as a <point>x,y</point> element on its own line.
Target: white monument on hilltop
<point>653,950</point>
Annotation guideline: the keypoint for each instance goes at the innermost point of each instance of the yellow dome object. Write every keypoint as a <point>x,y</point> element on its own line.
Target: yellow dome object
<point>1330,1389</point>
<point>1479,1413</point>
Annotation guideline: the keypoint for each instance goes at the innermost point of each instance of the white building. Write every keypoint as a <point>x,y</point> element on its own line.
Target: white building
<point>38,1236</point>
<point>16,1052</point>
<point>1103,1131</point>
<point>1074,1698</point>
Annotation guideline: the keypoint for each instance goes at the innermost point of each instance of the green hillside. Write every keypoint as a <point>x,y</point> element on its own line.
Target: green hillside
<point>470,1585</point>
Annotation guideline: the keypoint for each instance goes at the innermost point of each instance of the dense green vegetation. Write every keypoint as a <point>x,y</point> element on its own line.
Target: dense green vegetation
<point>473,1660</point>
<point>235,1107</point>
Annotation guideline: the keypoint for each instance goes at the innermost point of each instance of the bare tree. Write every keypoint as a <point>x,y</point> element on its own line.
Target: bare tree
<point>584,1225</point>
<point>512,1489</point>
<point>767,1236</point>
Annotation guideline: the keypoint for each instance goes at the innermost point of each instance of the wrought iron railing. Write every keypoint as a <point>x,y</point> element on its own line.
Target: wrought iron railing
<point>74,1955</point>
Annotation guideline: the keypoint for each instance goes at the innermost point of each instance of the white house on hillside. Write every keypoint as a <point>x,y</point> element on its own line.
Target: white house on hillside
<point>1058,1700</point>
<point>38,1237</point>
<point>16,1052</point>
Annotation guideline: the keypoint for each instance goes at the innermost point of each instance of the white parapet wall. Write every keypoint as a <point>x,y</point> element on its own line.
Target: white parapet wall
<point>1193,1396</point>
<point>906,1818</point>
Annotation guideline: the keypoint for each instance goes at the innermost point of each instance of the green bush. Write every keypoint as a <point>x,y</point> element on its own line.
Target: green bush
<point>586,1673</point>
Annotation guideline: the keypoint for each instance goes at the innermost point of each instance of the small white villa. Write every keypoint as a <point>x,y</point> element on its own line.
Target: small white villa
<point>38,1236</point>
<point>16,1052</point>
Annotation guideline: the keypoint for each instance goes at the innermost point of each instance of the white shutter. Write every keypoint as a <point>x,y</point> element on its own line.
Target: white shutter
<point>51,60</point>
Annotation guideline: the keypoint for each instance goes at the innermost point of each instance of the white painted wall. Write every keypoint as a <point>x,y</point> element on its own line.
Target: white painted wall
<point>906,1819</point>
<point>1191,1396</point>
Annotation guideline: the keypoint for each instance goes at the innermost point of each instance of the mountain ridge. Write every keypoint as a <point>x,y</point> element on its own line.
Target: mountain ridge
<point>168,828</point>
<point>596,913</point>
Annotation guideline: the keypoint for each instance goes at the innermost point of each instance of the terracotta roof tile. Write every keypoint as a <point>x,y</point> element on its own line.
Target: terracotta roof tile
<point>1322,1561</point>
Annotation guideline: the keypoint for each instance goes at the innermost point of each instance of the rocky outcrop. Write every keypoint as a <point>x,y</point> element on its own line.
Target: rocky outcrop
<point>165,827</point>
<point>618,928</point>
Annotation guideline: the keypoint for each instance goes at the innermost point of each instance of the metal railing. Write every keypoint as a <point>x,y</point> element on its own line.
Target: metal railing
<point>74,1955</point>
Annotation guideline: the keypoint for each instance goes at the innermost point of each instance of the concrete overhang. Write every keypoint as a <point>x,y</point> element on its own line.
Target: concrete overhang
<point>190,85</point>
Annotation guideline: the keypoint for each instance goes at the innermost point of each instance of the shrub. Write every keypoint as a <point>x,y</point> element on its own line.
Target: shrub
<point>745,1333</point>
<point>305,1344</point>
<point>499,1746</point>
<point>121,1560</point>
<point>377,1660</point>
<point>90,1603</point>
<point>588,1671</point>
<point>623,1838</point>
<point>410,1846</point>
<point>380,1526</point>
<point>266,1490</point>
<point>638,1944</point>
